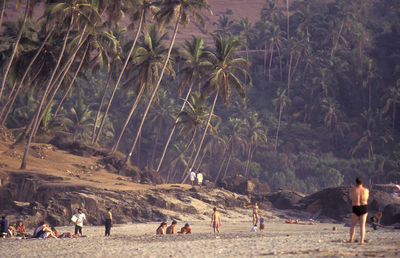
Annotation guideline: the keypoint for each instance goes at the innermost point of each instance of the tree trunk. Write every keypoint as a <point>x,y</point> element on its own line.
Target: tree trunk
<point>173,129</point>
<point>201,160</point>
<point>265,58</point>
<point>288,17</point>
<point>128,119</point>
<point>72,81</point>
<point>204,134</point>
<point>36,116</point>
<point>14,49</point>
<point>120,77</point>
<point>220,169</point>
<point>289,71</point>
<point>154,92</point>
<point>279,125</point>
<point>248,162</point>
<point>227,164</point>
<point>102,102</point>
<point>155,145</point>
<point>8,100</point>
<point>2,12</point>
<point>24,76</point>
<point>271,54</point>
<point>337,39</point>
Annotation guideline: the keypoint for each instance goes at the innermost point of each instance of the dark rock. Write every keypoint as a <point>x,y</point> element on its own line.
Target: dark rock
<point>391,214</point>
<point>378,200</point>
<point>240,184</point>
<point>75,147</point>
<point>284,199</point>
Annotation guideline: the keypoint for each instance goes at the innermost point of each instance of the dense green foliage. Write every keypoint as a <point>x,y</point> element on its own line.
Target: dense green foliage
<point>322,108</point>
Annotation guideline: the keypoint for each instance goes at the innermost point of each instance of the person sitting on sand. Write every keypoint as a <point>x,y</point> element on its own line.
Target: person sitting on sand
<point>161,229</point>
<point>3,226</point>
<point>254,228</point>
<point>216,220</point>
<point>171,229</point>
<point>359,199</point>
<point>255,212</point>
<point>21,232</point>
<point>291,221</point>
<point>186,229</point>
<point>261,223</point>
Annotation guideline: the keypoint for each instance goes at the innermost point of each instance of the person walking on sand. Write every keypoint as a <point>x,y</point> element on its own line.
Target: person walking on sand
<point>171,228</point>
<point>199,178</point>
<point>216,220</point>
<point>78,219</point>
<point>255,212</point>
<point>192,177</point>
<point>359,199</point>
<point>108,221</point>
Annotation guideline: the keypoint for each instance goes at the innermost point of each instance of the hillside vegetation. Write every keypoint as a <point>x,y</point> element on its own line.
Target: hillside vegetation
<point>303,94</point>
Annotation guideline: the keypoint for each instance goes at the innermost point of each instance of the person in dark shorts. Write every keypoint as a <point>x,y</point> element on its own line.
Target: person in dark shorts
<point>359,198</point>
<point>261,223</point>
<point>108,221</point>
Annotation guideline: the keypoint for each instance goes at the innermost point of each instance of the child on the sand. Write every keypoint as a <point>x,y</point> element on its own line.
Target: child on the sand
<point>261,223</point>
<point>254,228</point>
<point>216,220</point>
<point>21,232</point>
<point>171,229</point>
<point>186,229</point>
<point>161,229</point>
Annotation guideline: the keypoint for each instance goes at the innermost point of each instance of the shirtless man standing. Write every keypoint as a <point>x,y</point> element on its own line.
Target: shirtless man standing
<point>255,212</point>
<point>215,220</point>
<point>359,199</point>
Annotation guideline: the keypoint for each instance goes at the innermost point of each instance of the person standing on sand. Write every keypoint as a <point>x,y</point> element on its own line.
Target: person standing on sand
<point>171,229</point>
<point>261,223</point>
<point>3,226</point>
<point>359,199</point>
<point>109,221</point>
<point>78,219</point>
<point>255,212</point>
<point>199,178</point>
<point>192,177</point>
<point>216,220</point>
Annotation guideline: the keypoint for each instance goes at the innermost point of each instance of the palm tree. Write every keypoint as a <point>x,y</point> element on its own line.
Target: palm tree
<point>140,7</point>
<point>225,68</point>
<point>169,10</point>
<point>148,59</point>
<point>392,99</point>
<point>3,9</point>
<point>223,26</point>
<point>255,134</point>
<point>194,68</point>
<point>280,103</point>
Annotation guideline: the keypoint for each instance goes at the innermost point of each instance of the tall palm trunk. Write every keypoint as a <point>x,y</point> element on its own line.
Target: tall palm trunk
<point>28,2</point>
<point>279,126</point>
<point>128,119</point>
<point>173,129</point>
<point>248,162</point>
<point>288,17</point>
<point>102,101</point>
<point>220,168</point>
<point>155,146</point>
<point>227,164</point>
<point>154,92</point>
<point>8,100</point>
<point>289,72</point>
<point>2,12</point>
<point>201,160</point>
<point>73,80</point>
<point>23,78</point>
<point>271,55</point>
<point>120,77</point>
<point>56,85</point>
<point>36,116</point>
<point>265,58</point>
<point>204,135</point>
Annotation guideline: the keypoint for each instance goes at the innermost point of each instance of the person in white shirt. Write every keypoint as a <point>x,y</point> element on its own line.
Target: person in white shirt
<point>192,177</point>
<point>199,179</point>
<point>78,219</point>
<point>254,228</point>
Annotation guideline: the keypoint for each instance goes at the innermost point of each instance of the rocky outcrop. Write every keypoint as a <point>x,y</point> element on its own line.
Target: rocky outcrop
<point>391,214</point>
<point>36,197</point>
<point>240,184</point>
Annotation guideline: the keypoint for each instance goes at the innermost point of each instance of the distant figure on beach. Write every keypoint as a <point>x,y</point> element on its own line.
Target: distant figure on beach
<point>359,198</point>
<point>21,231</point>
<point>171,228</point>
<point>108,221</point>
<point>161,229</point>
<point>78,219</point>
<point>186,229</point>
<point>192,177</point>
<point>254,228</point>
<point>255,212</point>
<point>3,226</point>
<point>261,223</point>
<point>216,220</point>
<point>199,178</point>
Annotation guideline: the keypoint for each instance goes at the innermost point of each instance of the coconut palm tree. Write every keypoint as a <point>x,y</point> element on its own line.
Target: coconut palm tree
<point>141,8</point>
<point>280,103</point>
<point>3,9</point>
<point>170,9</point>
<point>226,69</point>
<point>148,59</point>
<point>193,70</point>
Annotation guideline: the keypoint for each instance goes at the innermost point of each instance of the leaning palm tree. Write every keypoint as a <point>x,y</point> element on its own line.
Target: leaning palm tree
<point>225,68</point>
<point>280,103</point>
<point>140,7</point>
<point>169,10</point>
<point>194,68</point>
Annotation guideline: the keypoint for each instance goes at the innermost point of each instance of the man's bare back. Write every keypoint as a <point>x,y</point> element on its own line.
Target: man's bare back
<point>359,195</point>
<point>359,199</point>
<point>216,220</point>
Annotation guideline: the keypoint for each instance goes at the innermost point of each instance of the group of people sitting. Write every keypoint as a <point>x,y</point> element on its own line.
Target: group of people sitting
<point>7,230</point>
<point>163,229</point>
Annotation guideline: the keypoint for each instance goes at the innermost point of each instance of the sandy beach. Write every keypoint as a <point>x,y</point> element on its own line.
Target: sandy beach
<point>235,240</point>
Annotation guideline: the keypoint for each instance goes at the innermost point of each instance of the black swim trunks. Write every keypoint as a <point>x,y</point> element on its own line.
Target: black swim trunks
<point>360,210</point>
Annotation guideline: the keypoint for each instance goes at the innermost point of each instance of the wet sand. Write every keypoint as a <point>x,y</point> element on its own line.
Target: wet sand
<point>235,240</point>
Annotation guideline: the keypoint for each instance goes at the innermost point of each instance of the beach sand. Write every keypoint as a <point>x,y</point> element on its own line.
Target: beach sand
<point>235,240</point>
